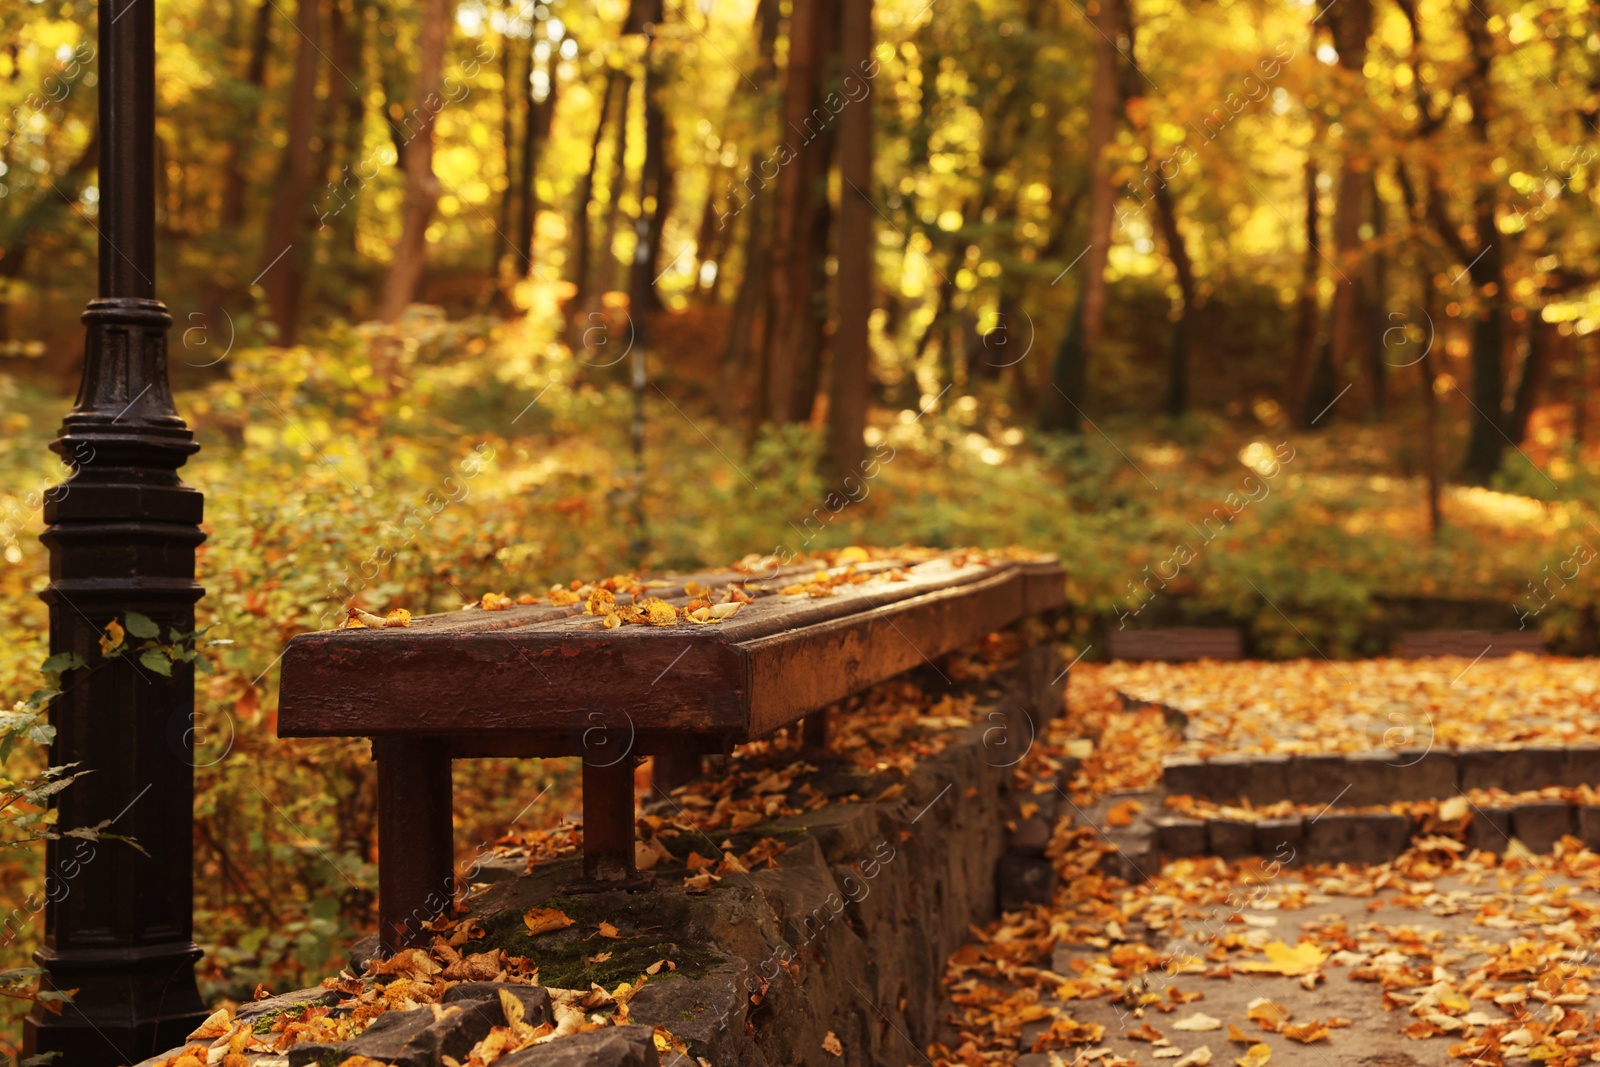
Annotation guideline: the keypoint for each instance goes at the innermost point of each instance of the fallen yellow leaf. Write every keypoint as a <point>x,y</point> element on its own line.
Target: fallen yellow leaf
<point>1281,959</point>
<point>543,920</point>
<point>1255,1056</point>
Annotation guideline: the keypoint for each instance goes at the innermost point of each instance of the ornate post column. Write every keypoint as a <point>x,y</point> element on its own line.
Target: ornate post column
<point>122,533</point>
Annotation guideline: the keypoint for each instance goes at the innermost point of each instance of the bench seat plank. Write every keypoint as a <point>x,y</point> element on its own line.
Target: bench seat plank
<point>544,679</point>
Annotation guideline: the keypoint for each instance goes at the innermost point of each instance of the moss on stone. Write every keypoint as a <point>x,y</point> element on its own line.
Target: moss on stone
<point>653,927</point>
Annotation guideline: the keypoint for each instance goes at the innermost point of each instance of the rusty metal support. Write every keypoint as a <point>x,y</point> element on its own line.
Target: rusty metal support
<point>416,868</point>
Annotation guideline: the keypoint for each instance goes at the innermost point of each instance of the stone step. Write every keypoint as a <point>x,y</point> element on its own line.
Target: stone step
<point>1156,835</point>
<point>1356,779</point>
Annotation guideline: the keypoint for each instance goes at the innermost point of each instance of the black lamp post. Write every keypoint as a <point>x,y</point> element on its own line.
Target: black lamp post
<point>122,534</point>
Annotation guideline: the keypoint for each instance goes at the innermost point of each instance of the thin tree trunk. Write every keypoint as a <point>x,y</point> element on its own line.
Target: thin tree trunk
<point>350,55</point>
<point>1062,407</point>
<point>818,218</point>
<point>233,182</point>
<point>583,252</point>
<point>852,348</point>
<point>1376,291</point>
<point>791,269</point>
<point>1348,336</point>
<point>1297,389</point>
<point>1530,383</point>
<point>751,304</point>
<point>282,278</point>
<point>422,187</point>
<point>606,264</point>
<point>510,99</point>
<point>1183,266</point>
<point>535,133</point>
<point>1487,441</point>
<point>1105,105</point>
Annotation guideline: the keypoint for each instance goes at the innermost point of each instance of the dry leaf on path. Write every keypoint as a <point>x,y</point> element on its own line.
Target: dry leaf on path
<point>1281,959</point>
<point>1255,1056</point>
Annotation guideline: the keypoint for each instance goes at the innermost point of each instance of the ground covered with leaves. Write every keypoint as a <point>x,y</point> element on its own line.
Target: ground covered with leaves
<point>1447,955</point>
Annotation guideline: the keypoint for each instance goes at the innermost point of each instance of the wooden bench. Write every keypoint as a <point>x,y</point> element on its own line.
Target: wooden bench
<point>549,680</point>
<point>1473,644</point>
<point>1177,644</point>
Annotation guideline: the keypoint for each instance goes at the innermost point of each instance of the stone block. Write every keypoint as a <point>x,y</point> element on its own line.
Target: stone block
<point>409,1038</point>
<point>535,999</point>
<point>1513,768</point>
<point>1489,830</point>
<point>1541,823</point>
<point>293,1003</point>
<point>1356,837</point>
<point>1230,838</point>
<point>1318,777</point>
<point>615,1046</point>
<point>1181,776</point>
<point>1179,836</point>
<point>1582,764</point>
<point>1282,840</point>
<point>1133,856</point>
<point>1023,880</point>
<point>1431,776</point>
<point>1262,779</point>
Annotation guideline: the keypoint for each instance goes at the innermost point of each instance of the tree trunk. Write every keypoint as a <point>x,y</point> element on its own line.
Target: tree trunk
<point>1297,388</point>
<point>751,305</point>
<point>1062,407</point>
<point>582,252</point>
<point>1487,440</point>
<point>510,100</point>
<point>606,265</point>
<point>282,265</point>
<point>350,55</point>
<point>1351,22</point>
<point>1376,291</point>
<point>538,115</point>
<point>422,188</point>
<point>233,182</point>
<point>1105,105</point>
<point>1535,371</point>
<point>1183,266</point>
<point>791,299</point>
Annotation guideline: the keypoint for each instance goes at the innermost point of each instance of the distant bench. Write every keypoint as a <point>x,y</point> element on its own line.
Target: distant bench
<point>1177,644</point>
<point>547,680</point>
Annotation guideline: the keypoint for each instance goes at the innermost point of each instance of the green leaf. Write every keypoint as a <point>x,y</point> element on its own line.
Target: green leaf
<point>140,625</point>
<point>156,659</point>
<point>62,662</point>
<point>203,665</point>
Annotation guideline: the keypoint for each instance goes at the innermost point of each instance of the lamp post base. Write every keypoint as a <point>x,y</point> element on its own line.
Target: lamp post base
<point>129,1005</point>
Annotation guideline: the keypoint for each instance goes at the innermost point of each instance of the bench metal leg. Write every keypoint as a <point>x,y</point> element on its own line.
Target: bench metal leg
<point>416,858</point>
<point>669,770</point>
<point>608,820</point>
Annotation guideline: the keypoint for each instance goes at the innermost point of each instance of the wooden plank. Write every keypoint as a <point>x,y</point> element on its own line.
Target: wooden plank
<point>682,678</point>
<point>803,669</point>
<point>541,686</point>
